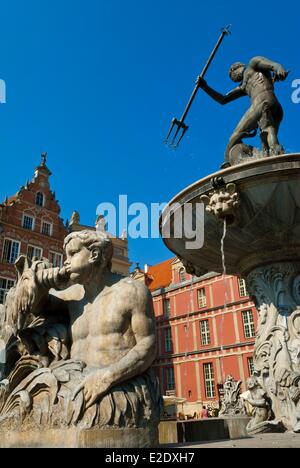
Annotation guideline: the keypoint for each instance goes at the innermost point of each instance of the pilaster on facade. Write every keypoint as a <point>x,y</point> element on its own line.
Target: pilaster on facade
<point>212,324</point>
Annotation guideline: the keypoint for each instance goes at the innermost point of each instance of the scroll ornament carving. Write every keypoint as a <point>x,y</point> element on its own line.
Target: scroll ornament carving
<point>277,346</point>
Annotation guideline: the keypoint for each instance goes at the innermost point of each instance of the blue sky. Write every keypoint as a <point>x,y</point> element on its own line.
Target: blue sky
<point>95,84</point>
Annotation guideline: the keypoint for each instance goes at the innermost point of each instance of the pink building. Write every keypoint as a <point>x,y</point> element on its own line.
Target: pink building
<point>205,330</point>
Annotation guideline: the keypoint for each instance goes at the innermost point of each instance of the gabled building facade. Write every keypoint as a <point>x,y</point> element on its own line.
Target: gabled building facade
<point>30,224</point>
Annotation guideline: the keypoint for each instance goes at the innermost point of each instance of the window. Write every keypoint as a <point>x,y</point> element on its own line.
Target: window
<point>209,380</point>
<point>182,275</point>
<point>168,340</point>
<point>118,252</point>
<point>250,366</point>
<point>166,307</point>
<point>242,287</point>
<point>10,251</point>
<point>170,378</point>
<point>28,222</point>
<point>201,298</point>
<point>56,259</point>
<point>39,199</point>
<point>34,252</point>
<point>46,228</point>
<point>205,335</point>
<point>248,322</point>
<point>5,285</point>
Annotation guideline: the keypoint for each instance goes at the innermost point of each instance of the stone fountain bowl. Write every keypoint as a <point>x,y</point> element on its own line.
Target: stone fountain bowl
<point>263,227</point>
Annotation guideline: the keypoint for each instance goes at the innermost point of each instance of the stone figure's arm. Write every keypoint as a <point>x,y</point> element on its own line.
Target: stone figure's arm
<point>222,99</point>
<point>34,285</point>
<point>142,355</point>
<point>138,359</point>
<point>257,403</point>
<point>263,64</point>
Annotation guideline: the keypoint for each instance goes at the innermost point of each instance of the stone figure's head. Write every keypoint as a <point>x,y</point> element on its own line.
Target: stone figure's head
<point>251,383</point>
<point>236,72</point>
<point>86,252</point>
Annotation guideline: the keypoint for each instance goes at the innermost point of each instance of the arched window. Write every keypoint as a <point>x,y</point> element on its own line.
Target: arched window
<point>182,275</point>
<point>39,200</point>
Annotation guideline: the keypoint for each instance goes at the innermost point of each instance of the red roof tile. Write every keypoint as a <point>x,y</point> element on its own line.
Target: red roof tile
<point>160,275</point>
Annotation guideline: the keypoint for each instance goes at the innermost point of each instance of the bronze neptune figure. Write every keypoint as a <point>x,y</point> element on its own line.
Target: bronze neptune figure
<point>257,81</point>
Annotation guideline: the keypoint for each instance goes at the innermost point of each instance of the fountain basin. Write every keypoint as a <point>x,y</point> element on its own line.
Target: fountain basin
<point>260,201</point>
<point>266,223</point>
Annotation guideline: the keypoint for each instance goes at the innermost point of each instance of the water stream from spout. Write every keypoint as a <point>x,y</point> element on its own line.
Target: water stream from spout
<point>225,297</point>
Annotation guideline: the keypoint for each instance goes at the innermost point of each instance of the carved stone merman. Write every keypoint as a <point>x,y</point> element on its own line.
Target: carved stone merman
<point>79,345</point>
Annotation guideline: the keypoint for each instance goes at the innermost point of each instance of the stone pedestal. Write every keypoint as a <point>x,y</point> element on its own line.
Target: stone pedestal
<point>76,438</point>
<point>201,430</point>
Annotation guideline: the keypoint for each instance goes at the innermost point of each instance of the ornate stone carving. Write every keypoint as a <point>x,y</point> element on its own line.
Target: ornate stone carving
<point>277,346</point>
<point>79,356</point>
<point>222,202</point>
<point>262,417</point>
<point>232,404</point>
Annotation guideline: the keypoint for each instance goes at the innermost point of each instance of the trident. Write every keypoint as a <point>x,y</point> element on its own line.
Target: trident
<point>180,123</point>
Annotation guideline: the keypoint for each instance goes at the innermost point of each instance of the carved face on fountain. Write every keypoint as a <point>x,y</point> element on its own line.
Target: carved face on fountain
<point>88,253</point>
<point>222,202</point>
<point>262,356</point>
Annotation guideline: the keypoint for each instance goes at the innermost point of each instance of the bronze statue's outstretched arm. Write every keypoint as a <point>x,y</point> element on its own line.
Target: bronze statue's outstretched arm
<point>221,98</point>
<point>263,64</point>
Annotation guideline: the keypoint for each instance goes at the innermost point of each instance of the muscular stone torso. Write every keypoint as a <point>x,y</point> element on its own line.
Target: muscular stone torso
<point>101,331</point>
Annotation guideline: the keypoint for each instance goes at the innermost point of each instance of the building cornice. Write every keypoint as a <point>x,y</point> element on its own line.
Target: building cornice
<point>206,350</point>
<point>27,231</point>
<point>185,284</point>
<point>162,318</point>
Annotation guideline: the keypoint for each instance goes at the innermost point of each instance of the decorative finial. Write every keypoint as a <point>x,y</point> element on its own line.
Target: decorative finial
<point>75,218</point>
<point>100,223</point>
<point>44,159</point>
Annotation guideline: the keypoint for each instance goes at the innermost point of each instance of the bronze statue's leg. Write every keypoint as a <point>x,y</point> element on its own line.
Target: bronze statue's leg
<point>273,142</point>
<point>264,142</point>
<point>269,123</point>
<point>246,125</point>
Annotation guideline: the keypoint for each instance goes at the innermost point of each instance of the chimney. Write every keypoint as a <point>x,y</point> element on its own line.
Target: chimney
<point>146,268</point>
